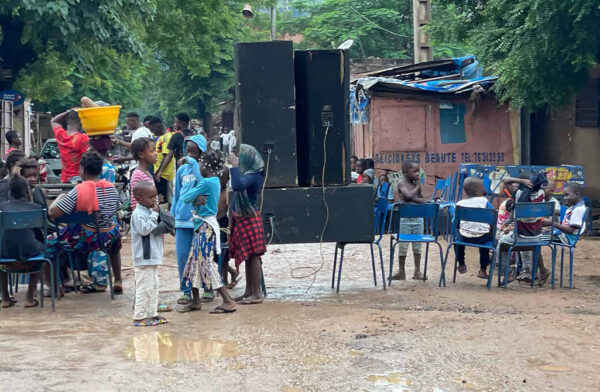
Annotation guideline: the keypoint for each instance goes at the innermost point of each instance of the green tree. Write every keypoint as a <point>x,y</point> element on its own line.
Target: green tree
<point>59,50</point>
<point>381,28</point>
<point>541,50</point>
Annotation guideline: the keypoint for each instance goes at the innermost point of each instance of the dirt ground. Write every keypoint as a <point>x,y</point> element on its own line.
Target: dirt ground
<point>412,337</point>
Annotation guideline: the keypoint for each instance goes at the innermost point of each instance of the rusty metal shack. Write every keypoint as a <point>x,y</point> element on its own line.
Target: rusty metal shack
<point>440,113</point>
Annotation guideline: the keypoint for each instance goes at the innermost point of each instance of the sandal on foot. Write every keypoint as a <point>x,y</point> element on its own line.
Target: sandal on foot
<point>10,304</point>
<point>222,310</point>
<point>241,298</point>
<point>145,323</point>
<point>462,268</point>
<point>248,301</point>
<point>483,275</point>
<point>90,288</point>
<point>207,297</point>
<point>33,305</point>
<point>161,320</point>
<point>164,308</point>
<point>232,285</point>
<point>184,299</point>
<point>188,308</point>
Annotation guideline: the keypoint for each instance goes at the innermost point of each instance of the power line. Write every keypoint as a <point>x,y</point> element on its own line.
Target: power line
<point>378,26</point>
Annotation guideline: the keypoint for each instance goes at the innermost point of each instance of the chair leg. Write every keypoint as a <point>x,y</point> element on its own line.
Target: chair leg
<point>534,264</point>
<point>42,286</point>
<point>373,265</point>
<point>10,284</point>
<point>392,247</point>
<point>445,262</point>
<point>455,267</point>
<point>334,265</point>
<point>381,262</point>
<point>52,284</point>
<point>507,267</point>
<point>340,270</point>
<point>425,266</point>
<point>562,258</point>
<point>491,273</point>
<point>571,268</point>
<point>553,265</point>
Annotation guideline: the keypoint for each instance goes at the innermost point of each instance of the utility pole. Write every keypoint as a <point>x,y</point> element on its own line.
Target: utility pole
<point>273,23</point>
<point>421,18</point>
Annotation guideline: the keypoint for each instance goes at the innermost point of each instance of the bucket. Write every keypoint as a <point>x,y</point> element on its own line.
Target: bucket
<point>102,120</point>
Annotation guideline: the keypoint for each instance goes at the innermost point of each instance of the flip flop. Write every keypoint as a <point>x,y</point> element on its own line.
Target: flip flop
<point>241,298</point>
<point>222,310</point>
<point>164,308</point>
<point>145,323</point>
<point>250,302</point>
<point>187,308</point>
<point>161,320</point>
<point>207,297</point>
<point>184,299</point>
<point>232,285</point>
<point>10,305</point>
<point>35,303</point>
<point>90,288</point>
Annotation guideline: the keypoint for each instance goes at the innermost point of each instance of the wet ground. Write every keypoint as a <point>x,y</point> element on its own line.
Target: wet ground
<point>412,337</point>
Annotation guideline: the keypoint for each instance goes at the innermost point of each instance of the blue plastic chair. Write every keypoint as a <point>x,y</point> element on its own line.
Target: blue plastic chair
<point>34,219</point>
<point>440,186</point>
<point>83,218</point>
<point>479,215</point>
<point>381,212</point>
<point>524,211</point>
<point>571,248</point>
<point>429,213</point>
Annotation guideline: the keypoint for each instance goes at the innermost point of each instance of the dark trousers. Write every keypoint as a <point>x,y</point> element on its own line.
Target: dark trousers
<point>484,253</point>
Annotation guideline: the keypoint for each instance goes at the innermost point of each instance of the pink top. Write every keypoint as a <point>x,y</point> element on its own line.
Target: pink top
<point>136,176</point>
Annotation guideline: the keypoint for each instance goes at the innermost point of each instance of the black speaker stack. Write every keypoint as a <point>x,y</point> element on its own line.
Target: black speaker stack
<point>293,107</point>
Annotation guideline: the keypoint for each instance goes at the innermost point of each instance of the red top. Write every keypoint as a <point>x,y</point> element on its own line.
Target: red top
<point>8,152</point>
<point>71,148</point>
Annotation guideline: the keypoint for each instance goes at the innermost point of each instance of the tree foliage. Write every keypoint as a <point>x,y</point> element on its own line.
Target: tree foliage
<point>380,28</point>
<point>541,50</point>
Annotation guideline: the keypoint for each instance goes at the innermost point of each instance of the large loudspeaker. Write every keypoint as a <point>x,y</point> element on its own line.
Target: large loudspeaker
<point>298,215</point>
<point>322,94</point>
<point>265,107</point>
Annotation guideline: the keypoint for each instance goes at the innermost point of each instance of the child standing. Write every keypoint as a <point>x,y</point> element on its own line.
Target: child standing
<point>409,190</point>
<point>474,232</point>
<point>147,253</point>
<point>187,177</point>
<point>200,270</point>
<point>145,154</point>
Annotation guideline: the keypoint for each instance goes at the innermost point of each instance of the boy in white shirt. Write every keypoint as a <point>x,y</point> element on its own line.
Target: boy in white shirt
<point>147,252</point>
<point>574,217</point>
<point>474,232</point>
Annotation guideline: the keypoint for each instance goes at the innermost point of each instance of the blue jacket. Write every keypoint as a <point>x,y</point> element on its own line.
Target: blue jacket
<point>187,177</point>
<point>210,187</point>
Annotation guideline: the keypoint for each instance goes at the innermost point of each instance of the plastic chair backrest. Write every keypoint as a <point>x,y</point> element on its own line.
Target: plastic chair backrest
<point>479,215</point>
<point>563,212</point>
<point>381,212</point>
<point>532,211</point>
<point>440,185</point>
<point>428,211</point>
<point>22,220</point>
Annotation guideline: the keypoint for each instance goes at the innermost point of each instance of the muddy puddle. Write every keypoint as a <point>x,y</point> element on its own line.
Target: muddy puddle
<point>159,347</point>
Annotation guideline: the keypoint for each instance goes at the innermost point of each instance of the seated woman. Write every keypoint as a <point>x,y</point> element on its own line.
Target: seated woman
<point>20,244</point>
<point>91,195</point>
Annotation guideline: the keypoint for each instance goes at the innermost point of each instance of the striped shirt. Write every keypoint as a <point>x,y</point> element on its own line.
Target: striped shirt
<point>138,175</point>
<point>108,203</point>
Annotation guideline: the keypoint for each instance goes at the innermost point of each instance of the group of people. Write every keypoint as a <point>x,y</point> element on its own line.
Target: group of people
<point>528,188</point>
<point>176,178</point>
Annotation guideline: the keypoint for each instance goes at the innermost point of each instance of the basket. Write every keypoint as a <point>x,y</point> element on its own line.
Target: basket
<point>102,120</point>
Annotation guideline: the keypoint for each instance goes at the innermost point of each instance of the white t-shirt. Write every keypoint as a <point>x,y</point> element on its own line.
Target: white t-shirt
<point>225,138</point>
<point>142,132</point>
<point>474,229</point>
<point>232,143</point>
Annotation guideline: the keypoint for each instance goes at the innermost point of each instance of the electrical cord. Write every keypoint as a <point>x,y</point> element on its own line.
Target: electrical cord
<point>314,271</point>
<point>262,193</point>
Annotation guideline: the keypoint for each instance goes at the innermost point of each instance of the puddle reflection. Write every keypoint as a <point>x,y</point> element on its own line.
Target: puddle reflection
<point>159,347</point>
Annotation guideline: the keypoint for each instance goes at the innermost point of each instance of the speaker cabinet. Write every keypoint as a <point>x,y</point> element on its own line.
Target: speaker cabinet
<point>322,117</point>
<point>298,215</point>
<point>265,106</point>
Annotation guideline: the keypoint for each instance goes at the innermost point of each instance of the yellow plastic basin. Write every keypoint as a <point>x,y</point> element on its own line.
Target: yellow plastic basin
<point>102,120</point>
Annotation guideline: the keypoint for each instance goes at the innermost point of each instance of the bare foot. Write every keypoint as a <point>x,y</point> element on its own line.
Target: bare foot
<point>400,275</point>
<point>118,287</point>
<point>482,274</point>
<point>7,304</point>
<point>417,276</point>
